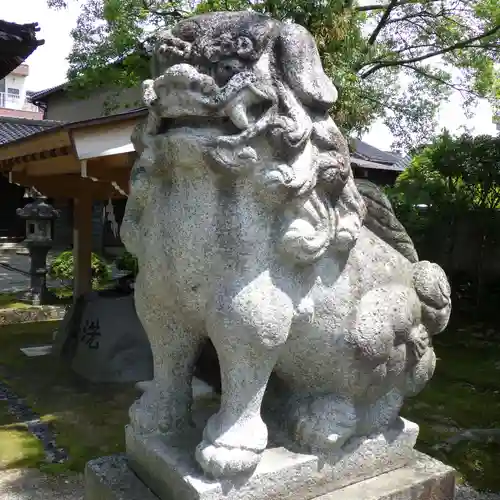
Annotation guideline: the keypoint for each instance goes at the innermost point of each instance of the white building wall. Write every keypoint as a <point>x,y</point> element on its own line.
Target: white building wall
<point>15,91</point>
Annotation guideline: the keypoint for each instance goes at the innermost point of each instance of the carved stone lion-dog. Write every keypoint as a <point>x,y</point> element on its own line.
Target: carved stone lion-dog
<point>250,230</point>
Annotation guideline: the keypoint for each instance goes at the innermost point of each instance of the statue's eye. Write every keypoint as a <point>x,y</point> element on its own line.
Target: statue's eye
<point>244,46</point>
<point>188,31</point>
<point>212,52</point>
<point>226,47</point>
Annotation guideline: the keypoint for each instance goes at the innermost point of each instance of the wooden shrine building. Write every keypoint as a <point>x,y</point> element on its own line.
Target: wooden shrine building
<point>84,161</point>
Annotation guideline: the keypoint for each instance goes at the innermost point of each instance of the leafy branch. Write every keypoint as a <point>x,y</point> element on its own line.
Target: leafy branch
<point>391,5</point>
<point>462,90</point>
<point>382,22</point>
<point>459,45</point>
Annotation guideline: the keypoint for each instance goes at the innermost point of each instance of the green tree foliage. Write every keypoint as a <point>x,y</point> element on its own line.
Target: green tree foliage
<point>63,268</point>
<point>381,55</point>
<point>453,186</point>
<point>462,173</point>
<point>127,262</point>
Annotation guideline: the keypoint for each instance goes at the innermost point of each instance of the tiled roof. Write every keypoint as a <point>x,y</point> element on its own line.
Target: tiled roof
<point>363,154</point>
<point>359,162</point>
<point>12,129</point>
<point>371,153</point>
<point>404,162</point>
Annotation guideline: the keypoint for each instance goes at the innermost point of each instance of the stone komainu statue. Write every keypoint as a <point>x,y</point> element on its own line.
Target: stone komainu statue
<point>251,231</point>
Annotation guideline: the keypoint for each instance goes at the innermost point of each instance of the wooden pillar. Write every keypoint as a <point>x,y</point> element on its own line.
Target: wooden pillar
<point>82,243</point>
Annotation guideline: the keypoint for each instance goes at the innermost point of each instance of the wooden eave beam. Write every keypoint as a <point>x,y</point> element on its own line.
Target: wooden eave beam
<point>113,169</point>
<point>66,186</point>
<point>46,167</point>
<point>45,144</point>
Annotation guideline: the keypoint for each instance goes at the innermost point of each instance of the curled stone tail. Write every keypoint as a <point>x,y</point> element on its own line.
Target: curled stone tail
<point>382,221</point>
<point>434,292</point>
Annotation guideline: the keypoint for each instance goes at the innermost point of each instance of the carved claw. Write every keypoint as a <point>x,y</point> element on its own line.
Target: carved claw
<point>418,343</point>
<point>324,424</point>
<point>142,421</point>
<point>317,434</point>
<point>219,461</point>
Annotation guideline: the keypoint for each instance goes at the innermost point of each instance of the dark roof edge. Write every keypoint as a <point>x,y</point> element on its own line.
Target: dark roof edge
<point>19,41</point>
<point>26,32</point>
<point>360,162</point>
<point>81,124</point>
<point>132,113</point>
<point>41,94</point>
<point>29,121</point>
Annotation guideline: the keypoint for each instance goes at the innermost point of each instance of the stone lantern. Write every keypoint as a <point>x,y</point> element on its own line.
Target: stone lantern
<point>39,216</point>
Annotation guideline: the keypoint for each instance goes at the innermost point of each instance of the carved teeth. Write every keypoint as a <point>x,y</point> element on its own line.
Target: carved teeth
<point>238,114</point>
<point>248,153</point>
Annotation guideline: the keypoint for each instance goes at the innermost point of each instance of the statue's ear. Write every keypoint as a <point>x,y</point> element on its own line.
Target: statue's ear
<point>301,66</point>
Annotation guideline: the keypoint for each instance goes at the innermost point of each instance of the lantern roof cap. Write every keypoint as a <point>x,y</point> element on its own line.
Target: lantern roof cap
<point>38,209</point>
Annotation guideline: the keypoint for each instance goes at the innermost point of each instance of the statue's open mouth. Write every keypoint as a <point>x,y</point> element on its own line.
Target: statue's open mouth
<point>183,91</point>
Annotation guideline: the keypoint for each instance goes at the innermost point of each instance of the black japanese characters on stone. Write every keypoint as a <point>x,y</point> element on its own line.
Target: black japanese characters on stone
<point>91,332</point>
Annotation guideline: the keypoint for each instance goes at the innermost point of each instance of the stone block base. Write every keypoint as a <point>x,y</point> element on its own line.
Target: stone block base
<point>111,478</point>
<point>169,464</point>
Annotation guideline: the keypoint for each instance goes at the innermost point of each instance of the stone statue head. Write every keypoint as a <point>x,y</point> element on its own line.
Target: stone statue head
<point>263,82</point>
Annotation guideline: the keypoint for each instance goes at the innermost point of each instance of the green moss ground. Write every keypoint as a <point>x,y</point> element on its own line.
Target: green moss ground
<point>18,447</point>
<point>463,394</point>
<point>88,419</point>
<point>10,300</point>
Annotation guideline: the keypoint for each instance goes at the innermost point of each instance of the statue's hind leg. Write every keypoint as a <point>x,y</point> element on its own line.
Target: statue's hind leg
<point>322,422</point>
<point>166,403</point>
<point>371,374</point>
<point>247,330</point>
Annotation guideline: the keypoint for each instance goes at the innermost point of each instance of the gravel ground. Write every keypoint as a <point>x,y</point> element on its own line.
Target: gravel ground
<point>467,493</point>
<point>30,484</point>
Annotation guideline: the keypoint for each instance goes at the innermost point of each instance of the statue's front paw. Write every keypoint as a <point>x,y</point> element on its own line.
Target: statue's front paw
<point>219,461</point>
<point>142,419</point>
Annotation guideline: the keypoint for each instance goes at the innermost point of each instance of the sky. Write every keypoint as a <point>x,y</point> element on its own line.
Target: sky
<point>48,68</point>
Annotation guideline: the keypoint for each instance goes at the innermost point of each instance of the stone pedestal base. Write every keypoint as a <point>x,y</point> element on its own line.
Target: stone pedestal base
<point>166,465</point>
<point>111,478</point>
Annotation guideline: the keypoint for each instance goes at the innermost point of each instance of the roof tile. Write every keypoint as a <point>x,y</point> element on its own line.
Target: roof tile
<point>12,129</point>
